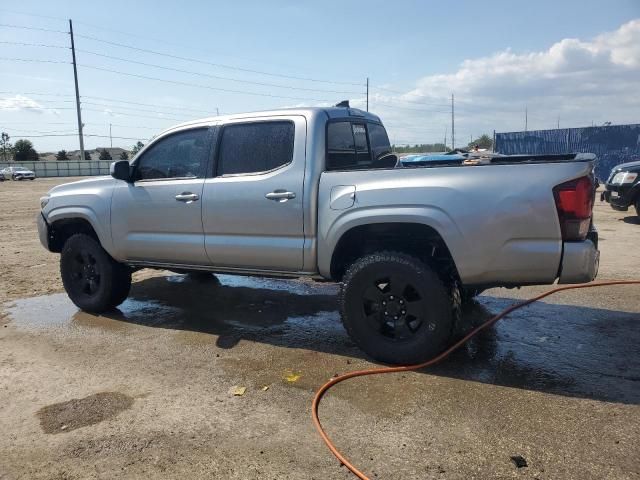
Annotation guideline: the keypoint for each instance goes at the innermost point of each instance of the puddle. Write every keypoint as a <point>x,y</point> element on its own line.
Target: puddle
<point>81,412</point>
<point>564,349</point>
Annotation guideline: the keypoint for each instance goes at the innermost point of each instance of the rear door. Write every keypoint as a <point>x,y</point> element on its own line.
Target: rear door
<point>253,210</point>
<point>158,217</point>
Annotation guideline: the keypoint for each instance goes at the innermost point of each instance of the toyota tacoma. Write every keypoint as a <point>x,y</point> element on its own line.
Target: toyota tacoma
<point>317,192</point>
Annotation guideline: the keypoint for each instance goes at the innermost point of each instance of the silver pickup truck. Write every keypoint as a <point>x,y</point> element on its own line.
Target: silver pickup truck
<point>317,192</point>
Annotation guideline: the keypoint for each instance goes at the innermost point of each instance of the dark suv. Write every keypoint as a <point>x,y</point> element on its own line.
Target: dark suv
<point>623,187</point>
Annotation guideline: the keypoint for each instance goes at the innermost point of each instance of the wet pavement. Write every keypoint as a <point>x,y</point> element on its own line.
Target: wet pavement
<point>555,348</point>
<point>555,379</point>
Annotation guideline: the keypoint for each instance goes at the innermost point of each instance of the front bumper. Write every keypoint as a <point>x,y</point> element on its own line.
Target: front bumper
<point>43,230</point>
<point>618,196</point>
<point>580,262</point>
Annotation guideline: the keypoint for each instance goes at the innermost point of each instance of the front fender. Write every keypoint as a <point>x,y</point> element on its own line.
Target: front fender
<point>98,219</point>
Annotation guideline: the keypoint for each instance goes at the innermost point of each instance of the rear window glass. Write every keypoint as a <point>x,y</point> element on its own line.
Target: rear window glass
<point>255,147</point>
<point>379,140</point>
<point>347,146</point>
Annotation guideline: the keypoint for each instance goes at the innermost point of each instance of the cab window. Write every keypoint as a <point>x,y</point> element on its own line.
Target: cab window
<point>181,155</point>
<point>355,145</point>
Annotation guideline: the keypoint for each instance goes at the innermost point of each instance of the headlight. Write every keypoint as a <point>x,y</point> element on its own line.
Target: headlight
<point>624,177</point>
<point>43,202</point>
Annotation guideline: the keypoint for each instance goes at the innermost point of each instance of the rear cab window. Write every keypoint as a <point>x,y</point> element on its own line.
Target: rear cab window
<point>355,144</point>
<point>256,147</point>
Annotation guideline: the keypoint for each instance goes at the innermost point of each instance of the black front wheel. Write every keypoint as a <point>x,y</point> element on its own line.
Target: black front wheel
<point>395,308</point>
<point>94,281</point>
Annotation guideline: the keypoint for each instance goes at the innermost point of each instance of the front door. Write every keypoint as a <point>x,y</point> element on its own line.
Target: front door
<point>158,217</point>
<point>253,207</point>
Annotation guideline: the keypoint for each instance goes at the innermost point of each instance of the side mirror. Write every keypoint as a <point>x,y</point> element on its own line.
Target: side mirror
<point>121,170</point>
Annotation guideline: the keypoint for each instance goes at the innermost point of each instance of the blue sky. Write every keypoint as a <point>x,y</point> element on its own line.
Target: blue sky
<point>570,61</point>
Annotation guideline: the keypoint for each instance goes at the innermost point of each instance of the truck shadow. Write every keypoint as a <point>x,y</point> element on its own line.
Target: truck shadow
<point>561,349</point>
<point>632,220</point>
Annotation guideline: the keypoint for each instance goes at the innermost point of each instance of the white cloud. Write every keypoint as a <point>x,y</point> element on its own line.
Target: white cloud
<point>574,80</point>
<point>20,102</point>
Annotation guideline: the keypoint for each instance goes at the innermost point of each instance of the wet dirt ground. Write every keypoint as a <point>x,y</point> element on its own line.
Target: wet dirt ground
<point>148,391</point>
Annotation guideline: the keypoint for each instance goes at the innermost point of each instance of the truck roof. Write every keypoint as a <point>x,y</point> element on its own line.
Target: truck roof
<point>330,112</point>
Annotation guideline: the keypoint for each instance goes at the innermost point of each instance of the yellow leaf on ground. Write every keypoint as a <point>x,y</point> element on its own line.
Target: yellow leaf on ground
<point>238,391</point>
<point>292,377</point>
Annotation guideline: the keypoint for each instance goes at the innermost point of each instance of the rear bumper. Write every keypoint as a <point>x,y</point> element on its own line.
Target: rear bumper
<point>580,262</point>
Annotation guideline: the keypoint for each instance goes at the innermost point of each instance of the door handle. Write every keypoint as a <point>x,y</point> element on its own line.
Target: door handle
<point>187,197</point>
<point>280,195</point>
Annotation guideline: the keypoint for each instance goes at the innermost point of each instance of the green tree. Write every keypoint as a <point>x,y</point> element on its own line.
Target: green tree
<point>87,155</point>
<point>7,148</point>
<point>137,147</point>
<point>105,155</point>
<point>124,155</point>
<point>484,141</point>
<point>24,151</point>
<point>62,155</point>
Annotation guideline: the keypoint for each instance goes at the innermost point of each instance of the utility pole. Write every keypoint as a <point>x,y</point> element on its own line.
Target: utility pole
<point>445,136</point>
<point>367,94</point>
<point>526,118</point>
<point>493,145</point>
<point>75,78</point>
<point>217,112</point>
<point>110,137</point>
<point>558,122</point>
<point>453,125</point>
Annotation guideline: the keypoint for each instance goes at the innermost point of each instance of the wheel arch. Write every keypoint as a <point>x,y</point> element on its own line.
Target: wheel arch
<point>411,237</point>
<point>63,223</point>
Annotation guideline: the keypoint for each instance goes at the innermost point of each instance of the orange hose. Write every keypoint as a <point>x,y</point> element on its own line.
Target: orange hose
<point>407,368</point>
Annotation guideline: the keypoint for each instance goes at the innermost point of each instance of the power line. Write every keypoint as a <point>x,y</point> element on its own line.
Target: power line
<point>165,107</point>
<point>37,93</point>
<point>146,37</point>
<point>24,44</point>
<point>22,27</point>
<point>148,104</point>
<point>202,74</point>
<point>413,109</point>
<point>86,135</point>
<point>32,14</point>
<point>220,65</point>
<point>126,114</point>
<point>176,82</point>
<point>130,108</point>
<point>31,60</point>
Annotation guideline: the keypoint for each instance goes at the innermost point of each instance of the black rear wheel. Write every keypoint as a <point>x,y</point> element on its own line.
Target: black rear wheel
<point>94,281</point>
<point>395,308</point>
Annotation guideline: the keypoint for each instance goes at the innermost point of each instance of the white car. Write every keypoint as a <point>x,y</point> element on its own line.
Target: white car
<point>18,173</point>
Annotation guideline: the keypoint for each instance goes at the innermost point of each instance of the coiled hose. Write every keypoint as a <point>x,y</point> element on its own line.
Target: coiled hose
<point>407,368</point>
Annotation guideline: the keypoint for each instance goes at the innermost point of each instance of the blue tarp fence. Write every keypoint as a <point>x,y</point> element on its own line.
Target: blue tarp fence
<point>613,144</point>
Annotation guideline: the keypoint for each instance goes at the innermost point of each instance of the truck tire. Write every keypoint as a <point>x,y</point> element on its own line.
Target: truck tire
<point>395,308</point>
<point>94,281</point>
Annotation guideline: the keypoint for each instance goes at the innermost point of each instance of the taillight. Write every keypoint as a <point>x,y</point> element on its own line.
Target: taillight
<point>574,201</point>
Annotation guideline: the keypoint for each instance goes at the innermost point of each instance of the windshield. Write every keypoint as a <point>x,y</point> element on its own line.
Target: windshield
<point>20,169</point>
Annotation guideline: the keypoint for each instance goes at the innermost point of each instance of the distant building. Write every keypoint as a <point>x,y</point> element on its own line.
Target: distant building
<point>613,144</point>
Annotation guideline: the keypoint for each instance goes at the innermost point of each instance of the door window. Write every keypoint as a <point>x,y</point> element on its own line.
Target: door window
<point>255,147</point>
<point>181,155</point>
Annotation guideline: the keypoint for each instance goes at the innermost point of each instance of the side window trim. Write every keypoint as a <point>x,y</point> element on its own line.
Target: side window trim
<point>218,142</point>
<point>210,136</point>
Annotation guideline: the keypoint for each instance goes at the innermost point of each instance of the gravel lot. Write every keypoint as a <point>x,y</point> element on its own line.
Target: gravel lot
<point>148,391</point>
